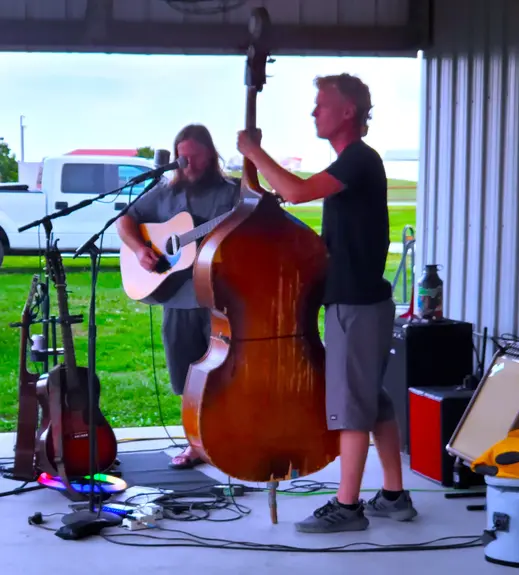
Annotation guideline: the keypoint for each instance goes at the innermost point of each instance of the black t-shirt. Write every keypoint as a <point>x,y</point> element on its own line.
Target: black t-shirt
<point>356,229</point>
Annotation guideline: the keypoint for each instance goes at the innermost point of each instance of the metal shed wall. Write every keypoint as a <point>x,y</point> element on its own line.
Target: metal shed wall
<point>467,213</point>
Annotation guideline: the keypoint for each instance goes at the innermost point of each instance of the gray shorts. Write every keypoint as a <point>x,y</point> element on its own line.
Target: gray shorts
<point>185,334</point>
<point>358,342</point>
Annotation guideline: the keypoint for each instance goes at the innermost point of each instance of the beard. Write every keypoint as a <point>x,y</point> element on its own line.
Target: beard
<point>200,181</point>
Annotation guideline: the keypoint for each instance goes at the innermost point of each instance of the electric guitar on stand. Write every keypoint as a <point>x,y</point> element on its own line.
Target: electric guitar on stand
<point>63,443</point>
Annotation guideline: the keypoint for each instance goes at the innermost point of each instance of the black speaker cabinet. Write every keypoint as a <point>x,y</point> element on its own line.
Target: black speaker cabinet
<point>435,353</point>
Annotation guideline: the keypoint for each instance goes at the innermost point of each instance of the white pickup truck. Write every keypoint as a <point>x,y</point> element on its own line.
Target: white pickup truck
<point>65,181</point>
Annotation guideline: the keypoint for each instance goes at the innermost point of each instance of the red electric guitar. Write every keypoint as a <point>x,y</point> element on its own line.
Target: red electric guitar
<point>63,441</point>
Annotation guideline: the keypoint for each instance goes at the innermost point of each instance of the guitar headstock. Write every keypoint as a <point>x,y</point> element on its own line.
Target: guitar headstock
<point>258,53</point>
<point>32,292</point>
<point>55,265</point>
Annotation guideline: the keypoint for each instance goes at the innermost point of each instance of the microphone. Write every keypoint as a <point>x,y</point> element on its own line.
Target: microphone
<point>161,157</point>
<point>157,172</point>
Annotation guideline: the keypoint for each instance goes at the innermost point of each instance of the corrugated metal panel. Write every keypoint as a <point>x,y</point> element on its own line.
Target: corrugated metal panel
<point>468,212</point>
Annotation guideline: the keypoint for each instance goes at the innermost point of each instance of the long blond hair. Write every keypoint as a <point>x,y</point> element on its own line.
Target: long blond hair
<point>200,134</point>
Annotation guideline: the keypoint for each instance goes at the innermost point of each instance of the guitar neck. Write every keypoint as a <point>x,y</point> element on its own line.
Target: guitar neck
<point>67,336</point>
<point>25,329</point>
<point>202,230</point>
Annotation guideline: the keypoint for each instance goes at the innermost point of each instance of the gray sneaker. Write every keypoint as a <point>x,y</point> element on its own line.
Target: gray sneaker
<point>333,518</point>
<point>400,510</point>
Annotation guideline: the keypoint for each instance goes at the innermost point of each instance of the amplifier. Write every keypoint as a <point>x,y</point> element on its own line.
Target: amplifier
<point>434,413</point>
<point>493,410</point>
<point>436,353</point>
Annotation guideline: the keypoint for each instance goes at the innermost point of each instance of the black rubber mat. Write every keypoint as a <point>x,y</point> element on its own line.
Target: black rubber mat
<point>150,469</point>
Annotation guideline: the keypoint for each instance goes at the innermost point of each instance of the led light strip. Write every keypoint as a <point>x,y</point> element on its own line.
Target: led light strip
<point>104,483</point>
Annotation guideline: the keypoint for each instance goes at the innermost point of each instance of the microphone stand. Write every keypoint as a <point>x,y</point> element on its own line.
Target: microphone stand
<point>89,246</point>
<point>90,515</point>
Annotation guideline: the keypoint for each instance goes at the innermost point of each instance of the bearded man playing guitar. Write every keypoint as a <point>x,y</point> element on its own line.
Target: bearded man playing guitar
<point>202,190</point>
<point>360,311</point>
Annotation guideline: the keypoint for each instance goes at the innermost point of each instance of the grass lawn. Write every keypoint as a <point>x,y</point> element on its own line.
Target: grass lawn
<point>398,190</point>
<point>124,351</point>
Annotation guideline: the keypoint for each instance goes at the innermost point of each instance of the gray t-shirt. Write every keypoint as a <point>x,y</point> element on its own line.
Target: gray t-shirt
<point>204,203</point>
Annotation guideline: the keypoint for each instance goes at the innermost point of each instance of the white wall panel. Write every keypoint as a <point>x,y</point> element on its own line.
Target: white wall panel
<point>467,216</point>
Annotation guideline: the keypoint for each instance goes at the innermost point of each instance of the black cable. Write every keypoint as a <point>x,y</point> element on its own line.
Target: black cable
<point>155,379</point>
<point>187,507</point>
<point>198,507</point>
<point>192,540</point>
<point>38,519</point>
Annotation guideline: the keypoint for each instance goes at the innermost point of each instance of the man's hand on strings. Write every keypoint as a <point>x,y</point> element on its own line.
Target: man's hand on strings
<point>147,258</point>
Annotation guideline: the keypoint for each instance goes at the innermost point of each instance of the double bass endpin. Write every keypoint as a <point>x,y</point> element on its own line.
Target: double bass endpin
<point>273,485</point>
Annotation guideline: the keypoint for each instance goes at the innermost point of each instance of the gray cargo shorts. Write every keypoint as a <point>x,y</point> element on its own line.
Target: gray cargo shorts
<point>185,334</point>
<point>358,342</point>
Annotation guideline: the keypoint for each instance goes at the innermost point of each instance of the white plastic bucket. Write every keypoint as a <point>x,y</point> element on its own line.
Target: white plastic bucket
<point>502,533</point>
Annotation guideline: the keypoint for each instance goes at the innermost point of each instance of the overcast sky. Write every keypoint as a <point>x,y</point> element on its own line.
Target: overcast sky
<point>123,101</point>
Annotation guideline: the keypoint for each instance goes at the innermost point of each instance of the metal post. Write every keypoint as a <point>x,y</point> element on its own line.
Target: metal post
<point>22,139</point>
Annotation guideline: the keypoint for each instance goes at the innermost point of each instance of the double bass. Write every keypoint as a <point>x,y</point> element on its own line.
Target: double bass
<point>254,404</point>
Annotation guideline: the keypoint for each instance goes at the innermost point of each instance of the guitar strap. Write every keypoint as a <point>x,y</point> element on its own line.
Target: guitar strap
<point>55,402</point>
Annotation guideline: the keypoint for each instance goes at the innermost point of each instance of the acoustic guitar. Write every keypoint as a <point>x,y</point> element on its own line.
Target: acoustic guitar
<point>174,242</point>
<point>63,447</point>
<point>24,468</point>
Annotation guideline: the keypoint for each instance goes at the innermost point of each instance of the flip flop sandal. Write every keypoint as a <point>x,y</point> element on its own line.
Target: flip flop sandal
<point>187,462</point>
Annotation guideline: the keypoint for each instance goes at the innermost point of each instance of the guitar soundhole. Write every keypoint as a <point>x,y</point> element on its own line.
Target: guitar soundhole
<point>162,265</point>
<point>172,246</point>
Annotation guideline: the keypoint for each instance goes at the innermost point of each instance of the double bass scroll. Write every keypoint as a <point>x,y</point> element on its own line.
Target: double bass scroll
<point>254,404</point>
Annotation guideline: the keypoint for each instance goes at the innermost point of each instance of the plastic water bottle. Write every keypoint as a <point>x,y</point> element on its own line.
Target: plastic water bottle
<point>430,294</point>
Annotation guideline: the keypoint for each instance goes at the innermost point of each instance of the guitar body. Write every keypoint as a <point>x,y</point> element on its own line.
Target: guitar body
<point>140,284</point>
<point>74,430</point>
<point>23,468</point>
<point>26,429</point>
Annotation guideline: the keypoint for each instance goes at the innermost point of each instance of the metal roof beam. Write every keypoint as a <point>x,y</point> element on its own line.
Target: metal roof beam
<point>108,35</point>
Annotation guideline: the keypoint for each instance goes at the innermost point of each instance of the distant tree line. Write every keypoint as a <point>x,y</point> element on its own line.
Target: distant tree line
<point>8,164</point>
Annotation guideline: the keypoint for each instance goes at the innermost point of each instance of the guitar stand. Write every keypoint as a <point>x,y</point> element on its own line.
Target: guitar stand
<point>22,489</point>
<point>90,514</point>
<point>23,470</point>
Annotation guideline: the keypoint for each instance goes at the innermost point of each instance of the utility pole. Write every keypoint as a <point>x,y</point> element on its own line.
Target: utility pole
<point>22,138</point>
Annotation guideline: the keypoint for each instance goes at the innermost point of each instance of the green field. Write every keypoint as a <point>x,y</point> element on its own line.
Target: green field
<point>398,190</point>
<point>124,352</point>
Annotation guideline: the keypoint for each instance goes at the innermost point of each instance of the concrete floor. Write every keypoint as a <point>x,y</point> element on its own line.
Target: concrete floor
<point>29,549</point>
